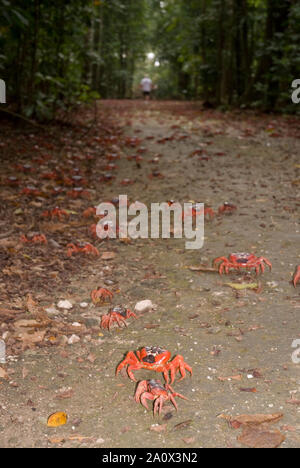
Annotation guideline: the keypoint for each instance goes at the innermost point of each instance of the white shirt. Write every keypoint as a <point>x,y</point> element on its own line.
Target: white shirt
<point>146,84</point>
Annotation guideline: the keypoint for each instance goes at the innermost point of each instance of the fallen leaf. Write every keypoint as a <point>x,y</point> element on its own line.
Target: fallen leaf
<point>232,377</point>
<point>92,358</point>
<point>56,440</point>
<point>64,395</point>
<point>251,419</point>
<point>158,427</point>
<point>240,286</point>
<point>256,437</point>
<point>182,425</point>
<point>203,268</point>
<point>3,373</point>
<point>108,255</point>
<point>57,419</point>
<point>250,390</point>
<point>188,440</point>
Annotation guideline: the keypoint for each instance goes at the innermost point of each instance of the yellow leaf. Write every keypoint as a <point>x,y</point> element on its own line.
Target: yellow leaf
<point>57,419</point>
<point>242,285</point>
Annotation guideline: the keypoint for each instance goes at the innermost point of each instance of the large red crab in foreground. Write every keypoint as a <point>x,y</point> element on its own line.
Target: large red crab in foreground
<point>117,314</point>
<point>242,260</point>
<point>156,359</point>
<point>154,390</point>
<point>296,276</point>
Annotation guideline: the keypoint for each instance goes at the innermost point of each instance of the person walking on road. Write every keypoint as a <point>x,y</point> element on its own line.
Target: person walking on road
<point>146,86</point>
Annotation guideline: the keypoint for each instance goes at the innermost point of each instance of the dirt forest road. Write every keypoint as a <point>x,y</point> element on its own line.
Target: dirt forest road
<point>237,341</point>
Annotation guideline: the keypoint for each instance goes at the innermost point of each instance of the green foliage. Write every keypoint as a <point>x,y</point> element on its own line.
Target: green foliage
<point>229,52</point>
<point>55,54</point>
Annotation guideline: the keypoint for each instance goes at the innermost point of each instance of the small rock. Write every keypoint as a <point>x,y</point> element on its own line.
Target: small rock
<point>144,306</point>
<point>65,305</point>
<point>83,305</point>
<point>51,310</point>
<point>73,339</point>
<point>54,244</point>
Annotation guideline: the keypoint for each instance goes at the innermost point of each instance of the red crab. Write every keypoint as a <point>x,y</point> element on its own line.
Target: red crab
<point>101,295</point>
<point>242,260</point>
<point>55,212</point>
<point>227,208</point>
<point>50,175</point>
<point>30,190</point>
<point>117,314</point>
<point>13,181</point>
<point>89,212</point>
<point>24,168</point>
<point>154,358</point>
<point>107,177</point>
<point>154,390</point>
<point>195,209</point>
<point>296,276</point>
<point>127,181</point>
<point>156,175</point>
<point>84,248</point>
<point>78,192</point>
<point>112,156</point>
<point>34,237</point>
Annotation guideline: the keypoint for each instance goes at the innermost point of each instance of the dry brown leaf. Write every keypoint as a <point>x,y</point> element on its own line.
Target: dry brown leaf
<point>56,440</point>
<point>250,390</point>
<point>29,339</point>
<point>203,268</point>
<point>108,255</point>
<point>182,425</point>
<point>92,357</point>
<point>232,377</point>
<point>35,310</point>
<point>3,373</point>
<point>251,419</point>
<point>257,437</point>
<point>64,395</point>
<point>158,427</point>
<point>79,437</point>
<point>189,440</point>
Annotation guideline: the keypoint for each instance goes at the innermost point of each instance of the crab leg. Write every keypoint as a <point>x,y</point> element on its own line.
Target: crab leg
<point>146,396</point>
<point>178,364</point>
<point>266,261</point>
<point>158,405</point>
<point>296,276</point>
<point>120,321</point>
<point>130,360</point>
<point>141,388</point>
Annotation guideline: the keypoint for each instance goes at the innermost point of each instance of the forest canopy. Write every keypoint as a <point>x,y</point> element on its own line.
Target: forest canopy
<point>227,53</point>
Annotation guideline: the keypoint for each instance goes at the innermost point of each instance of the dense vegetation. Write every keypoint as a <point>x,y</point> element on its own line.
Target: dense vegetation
<point>225,52</point>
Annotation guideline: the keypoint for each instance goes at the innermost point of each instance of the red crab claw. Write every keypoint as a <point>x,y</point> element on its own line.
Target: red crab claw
<point>296,276</point>
<point>178,365</point>
<point>133,364</point>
